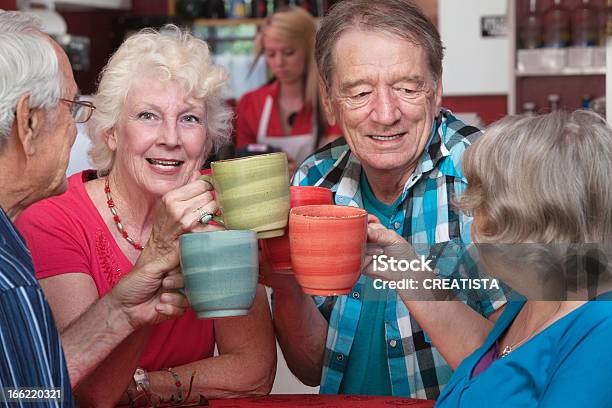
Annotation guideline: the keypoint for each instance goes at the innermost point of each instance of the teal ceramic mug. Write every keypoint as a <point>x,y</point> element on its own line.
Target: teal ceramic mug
<point>220,270</point>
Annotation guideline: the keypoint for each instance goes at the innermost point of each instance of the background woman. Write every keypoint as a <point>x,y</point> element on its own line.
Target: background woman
<point>159,115</point>
<point>285,113</point>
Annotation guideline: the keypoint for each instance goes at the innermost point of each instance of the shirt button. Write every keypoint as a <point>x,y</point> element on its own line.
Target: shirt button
<point>339,357</point>
<point>355,295</point>
<point>393,343</point>
<point>397,224</point>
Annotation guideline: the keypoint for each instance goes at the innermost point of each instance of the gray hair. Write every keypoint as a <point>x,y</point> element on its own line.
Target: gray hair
<point>174,55</point>
<point>28,65</point>
<point>401,18</point>
<point>543,179</point>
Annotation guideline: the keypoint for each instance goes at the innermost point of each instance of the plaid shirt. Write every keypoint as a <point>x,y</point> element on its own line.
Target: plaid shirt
<point>434,228</point>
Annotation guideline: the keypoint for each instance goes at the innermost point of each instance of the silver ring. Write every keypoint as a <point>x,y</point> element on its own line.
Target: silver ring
<point>205,218</point>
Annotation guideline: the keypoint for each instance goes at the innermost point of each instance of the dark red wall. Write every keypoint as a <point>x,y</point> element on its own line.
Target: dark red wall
<point>8,4</point>
<point>489,107</point>
<point>98,26</point>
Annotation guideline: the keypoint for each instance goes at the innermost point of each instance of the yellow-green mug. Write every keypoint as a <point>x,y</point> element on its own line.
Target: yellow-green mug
<point>253,193</point>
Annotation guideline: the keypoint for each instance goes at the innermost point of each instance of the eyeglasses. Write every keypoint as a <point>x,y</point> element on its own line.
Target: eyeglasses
<point>81,110</point>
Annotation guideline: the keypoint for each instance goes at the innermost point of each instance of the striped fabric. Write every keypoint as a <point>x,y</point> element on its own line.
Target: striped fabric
<point>436,229</point>
<point>31,353</point>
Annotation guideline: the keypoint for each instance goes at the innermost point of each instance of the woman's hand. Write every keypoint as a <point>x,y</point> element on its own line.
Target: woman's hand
<point>150,293</point>
<point>385,242</point>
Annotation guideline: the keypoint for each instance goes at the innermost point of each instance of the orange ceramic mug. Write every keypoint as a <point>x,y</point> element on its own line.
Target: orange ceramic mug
<point>327,245</point>
<point>276,250</point>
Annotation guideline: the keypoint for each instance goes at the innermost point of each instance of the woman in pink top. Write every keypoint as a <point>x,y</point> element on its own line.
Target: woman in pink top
<point>159,114</point>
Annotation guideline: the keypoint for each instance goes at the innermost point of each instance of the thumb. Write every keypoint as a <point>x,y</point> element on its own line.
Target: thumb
<point>378,234</point>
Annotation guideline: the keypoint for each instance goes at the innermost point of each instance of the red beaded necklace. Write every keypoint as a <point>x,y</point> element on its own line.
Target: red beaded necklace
<point>113,210</point>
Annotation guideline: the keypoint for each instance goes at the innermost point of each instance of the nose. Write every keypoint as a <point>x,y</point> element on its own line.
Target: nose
<point>386,109</point>
<point>169,134</point>
<point>277,60</point>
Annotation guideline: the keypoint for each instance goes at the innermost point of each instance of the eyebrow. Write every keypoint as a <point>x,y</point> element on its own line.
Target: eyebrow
<point>410,78</point>
<point>187,106</point>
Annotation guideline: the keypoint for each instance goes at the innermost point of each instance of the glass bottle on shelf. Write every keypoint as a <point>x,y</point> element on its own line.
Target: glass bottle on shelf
<point>237,9</point>
<point>215,9</point>
<point>598,105</point>
<point>190,9</point>
<point>585,102</point>
<point>259,8</point>
<point>605,24</point>
<point>584,24</point>
<point>553,102</point>
<point>529,109</point>
<point>280,3</point>
<point>556,22</point>
<point>530,28</point>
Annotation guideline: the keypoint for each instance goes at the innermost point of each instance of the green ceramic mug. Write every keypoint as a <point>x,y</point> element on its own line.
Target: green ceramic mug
<point>253,193</point>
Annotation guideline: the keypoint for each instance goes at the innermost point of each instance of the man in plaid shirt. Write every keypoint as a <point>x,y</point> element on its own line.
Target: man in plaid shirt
<point>381,66</point>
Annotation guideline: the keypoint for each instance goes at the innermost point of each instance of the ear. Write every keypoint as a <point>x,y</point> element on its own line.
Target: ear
<point>28,124</point>
<point>439,91</point>
<point>327,104</point>
<point>111,138</point>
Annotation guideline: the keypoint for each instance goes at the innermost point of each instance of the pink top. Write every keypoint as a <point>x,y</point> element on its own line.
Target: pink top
<point>67,234</point>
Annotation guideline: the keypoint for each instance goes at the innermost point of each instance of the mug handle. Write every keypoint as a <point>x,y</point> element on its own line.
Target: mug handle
<point>210,180</point>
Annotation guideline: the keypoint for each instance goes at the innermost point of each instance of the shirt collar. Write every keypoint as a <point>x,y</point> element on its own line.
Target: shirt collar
<point>435,150</point>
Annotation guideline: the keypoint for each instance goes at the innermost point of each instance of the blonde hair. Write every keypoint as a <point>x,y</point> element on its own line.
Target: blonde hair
<point>296,26</point>
<point>173,55</point>
<point>542,179</point>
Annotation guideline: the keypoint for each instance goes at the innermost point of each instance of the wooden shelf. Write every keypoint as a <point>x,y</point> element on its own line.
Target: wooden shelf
<point>213,22</point>
<point>563,76</point>
<point>567,71</point>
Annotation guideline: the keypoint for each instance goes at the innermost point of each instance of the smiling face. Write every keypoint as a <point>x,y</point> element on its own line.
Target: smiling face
<point>287,61</point>
<point>384,98</point>
<point>160,138</point>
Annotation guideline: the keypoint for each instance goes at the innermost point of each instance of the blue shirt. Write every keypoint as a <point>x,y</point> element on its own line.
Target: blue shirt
<point>433,226</point>
<point>31,353</point>
<point>367,371</point>
<point>566,365</point>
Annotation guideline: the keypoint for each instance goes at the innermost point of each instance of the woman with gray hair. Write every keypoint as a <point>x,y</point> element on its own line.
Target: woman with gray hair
<point>158,115</point>
<point>538,185</point>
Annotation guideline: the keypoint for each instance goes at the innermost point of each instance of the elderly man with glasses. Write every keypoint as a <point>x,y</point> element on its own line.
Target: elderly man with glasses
<point>39,107</point>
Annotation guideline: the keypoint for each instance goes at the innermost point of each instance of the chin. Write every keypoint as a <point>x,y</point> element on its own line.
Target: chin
<point>386,161</point>
<point>162,188</point>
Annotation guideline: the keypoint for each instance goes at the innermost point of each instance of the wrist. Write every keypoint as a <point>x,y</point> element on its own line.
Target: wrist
<point>291,292</point>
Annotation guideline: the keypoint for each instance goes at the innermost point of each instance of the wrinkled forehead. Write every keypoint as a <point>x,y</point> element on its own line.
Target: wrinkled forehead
<point>160,79</point>
<point>359,52</point>
<point>155,88</point>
